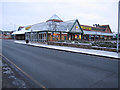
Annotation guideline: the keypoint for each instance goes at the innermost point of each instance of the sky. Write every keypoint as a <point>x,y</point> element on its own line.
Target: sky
<point>15,13</point>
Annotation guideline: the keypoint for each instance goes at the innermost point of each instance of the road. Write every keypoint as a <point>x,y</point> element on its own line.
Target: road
<point>60,69</point>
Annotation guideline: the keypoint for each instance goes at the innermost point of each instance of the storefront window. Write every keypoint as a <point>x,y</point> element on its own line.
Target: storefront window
<point>64,37</point>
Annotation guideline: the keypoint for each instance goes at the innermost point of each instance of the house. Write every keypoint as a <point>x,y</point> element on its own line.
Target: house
<point>7,34</point>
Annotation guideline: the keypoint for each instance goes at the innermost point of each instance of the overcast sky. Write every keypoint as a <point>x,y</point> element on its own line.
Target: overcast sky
<point>27,12</point>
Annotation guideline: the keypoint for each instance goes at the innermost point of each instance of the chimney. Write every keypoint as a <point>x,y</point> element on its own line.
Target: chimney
<point>96,25</point>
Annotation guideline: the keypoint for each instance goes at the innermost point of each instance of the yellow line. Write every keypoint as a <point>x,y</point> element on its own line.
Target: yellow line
<point>39,84</point>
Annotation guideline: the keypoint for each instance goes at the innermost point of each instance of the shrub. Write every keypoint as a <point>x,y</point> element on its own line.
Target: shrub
<point>61,41</point>
<point>105,44</point>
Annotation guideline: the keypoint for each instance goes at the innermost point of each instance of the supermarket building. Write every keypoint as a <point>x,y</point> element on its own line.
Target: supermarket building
<point>56,29</point>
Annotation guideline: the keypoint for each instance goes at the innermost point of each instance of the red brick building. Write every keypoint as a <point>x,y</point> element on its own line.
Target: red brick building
<point>97,32</point>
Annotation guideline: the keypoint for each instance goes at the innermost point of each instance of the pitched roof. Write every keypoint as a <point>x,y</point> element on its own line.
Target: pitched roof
<point>97,33</point>
<point>100,28</point>
<point>52,26</point>
<point>49,26</point>
<point>55,18</point>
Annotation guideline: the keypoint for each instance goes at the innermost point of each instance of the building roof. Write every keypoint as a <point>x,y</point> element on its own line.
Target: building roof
<point>56,24</point>
<point>55,18</point>
<point>97,33</point>
<point>100,28</point>
<point>53,26</point>
<point>21,31</point>
<point>49,26</point>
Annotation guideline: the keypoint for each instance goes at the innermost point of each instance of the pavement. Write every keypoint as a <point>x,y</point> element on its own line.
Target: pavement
<point>76,50</point>
<point>60,69</point>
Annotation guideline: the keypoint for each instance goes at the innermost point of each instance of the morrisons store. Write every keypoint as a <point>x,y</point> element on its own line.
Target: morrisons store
<point>55,29</point>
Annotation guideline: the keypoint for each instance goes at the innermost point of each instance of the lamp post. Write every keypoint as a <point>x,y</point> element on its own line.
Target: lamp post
<point>118,26</point>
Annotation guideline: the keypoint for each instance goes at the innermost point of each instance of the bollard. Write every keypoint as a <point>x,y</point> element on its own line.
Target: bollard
<point>27,41</point>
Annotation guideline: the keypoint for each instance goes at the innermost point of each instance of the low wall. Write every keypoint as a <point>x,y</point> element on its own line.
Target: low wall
<point>82,46</point>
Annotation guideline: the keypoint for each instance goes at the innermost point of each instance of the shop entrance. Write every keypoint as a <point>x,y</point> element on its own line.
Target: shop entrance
<point>75,36</point>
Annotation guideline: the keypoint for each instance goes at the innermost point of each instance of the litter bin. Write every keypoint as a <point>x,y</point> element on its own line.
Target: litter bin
<point>27,41</point>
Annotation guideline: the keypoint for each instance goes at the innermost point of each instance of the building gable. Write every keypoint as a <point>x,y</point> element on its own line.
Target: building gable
<point>108,30</point>
<point>76,28</point>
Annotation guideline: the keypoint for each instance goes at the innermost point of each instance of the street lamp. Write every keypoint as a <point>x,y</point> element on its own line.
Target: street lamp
<point>118,26</point>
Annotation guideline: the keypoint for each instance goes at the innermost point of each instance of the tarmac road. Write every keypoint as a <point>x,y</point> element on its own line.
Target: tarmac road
<point>59,69</point>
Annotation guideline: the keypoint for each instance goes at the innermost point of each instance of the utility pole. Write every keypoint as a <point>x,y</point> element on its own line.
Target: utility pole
<point>118,26</point>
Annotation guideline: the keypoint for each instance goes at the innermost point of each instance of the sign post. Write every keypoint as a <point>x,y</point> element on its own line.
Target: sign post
<point>118,26</point>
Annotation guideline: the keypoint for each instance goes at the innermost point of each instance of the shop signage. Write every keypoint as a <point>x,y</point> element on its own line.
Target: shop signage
<point>86,28</point>
<point>20,28</point>
<point>27,27</point>
<point>76,27</point>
